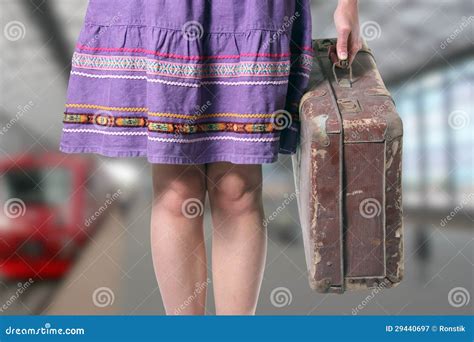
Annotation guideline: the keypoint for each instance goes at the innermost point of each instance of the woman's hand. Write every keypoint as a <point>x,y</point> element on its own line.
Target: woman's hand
<point>346,18</point>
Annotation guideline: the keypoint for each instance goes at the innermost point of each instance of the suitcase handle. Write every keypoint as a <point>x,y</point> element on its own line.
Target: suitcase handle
<point>341,64</point>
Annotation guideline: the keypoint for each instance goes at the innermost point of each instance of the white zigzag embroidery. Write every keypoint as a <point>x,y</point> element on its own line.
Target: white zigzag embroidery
<point>83,130</point>
<point>171,140</point>
<point>181,84</point>
<point>246,83</point>
<point>184,141</point>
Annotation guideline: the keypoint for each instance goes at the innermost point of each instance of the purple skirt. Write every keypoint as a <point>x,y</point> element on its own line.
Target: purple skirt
<point>189,81</point>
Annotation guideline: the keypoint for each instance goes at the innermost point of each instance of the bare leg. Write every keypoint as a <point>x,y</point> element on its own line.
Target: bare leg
<point>177,237</point>
<point>239,238</point>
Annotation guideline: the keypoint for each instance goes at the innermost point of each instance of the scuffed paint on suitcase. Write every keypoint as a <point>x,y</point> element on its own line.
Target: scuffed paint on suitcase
<point>348,170</point>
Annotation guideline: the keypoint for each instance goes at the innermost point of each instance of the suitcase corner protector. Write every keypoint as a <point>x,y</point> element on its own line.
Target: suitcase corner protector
<point>394,281</point>
<point>324,286</point>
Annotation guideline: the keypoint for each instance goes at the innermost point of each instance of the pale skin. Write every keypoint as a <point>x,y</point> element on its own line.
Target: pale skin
<point>239,240</point>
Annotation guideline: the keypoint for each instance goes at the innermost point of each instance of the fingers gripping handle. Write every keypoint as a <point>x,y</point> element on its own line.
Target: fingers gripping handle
<point>341,64</point>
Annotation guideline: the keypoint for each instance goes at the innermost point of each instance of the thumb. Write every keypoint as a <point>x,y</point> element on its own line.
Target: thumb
<point>342,44</point>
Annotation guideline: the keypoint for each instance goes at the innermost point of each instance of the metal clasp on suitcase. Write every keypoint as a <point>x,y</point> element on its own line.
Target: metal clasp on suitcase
<point>349,106</point>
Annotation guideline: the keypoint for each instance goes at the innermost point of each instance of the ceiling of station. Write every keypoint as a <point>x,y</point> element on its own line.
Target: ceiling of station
<point>408,36</point>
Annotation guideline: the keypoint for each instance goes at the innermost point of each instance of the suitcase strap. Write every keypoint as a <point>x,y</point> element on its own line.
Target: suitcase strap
<point>328,275</point>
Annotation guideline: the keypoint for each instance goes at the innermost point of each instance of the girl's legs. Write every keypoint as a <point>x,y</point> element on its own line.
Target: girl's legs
<point>177,237</point>
<point>239,238</point>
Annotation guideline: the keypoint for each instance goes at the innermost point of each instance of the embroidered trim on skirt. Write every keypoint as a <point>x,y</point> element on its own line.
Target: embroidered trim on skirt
<point>189,81</point>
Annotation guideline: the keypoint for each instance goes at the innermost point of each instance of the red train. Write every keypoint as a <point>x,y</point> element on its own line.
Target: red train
<point>46,201</point>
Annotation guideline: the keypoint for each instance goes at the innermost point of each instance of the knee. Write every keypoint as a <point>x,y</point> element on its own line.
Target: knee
<point>236,193</point>
<point>180,197</point>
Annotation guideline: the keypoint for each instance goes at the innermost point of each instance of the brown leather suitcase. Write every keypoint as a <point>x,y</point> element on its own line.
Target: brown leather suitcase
<point>348,170</point>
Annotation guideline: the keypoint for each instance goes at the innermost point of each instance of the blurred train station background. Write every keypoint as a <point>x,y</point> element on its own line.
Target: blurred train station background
<point>74,230</point>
